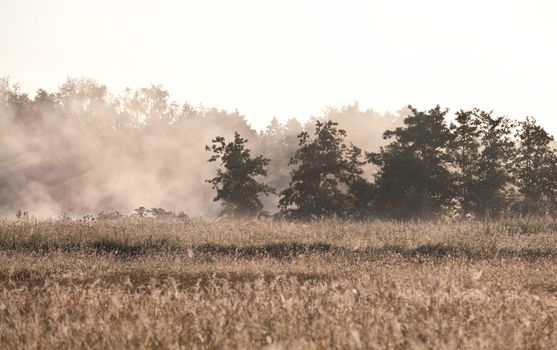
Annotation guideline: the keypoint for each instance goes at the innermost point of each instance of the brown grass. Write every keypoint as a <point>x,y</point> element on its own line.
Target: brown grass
<point>278,285</point>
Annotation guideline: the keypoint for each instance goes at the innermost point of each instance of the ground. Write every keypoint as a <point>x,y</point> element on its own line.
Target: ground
<point>278,285</point>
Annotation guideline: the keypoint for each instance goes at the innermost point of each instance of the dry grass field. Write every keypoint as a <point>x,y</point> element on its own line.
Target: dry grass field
<point>278,285</point>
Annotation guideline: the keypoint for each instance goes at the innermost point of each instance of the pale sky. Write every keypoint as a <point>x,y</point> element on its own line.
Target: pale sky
<point>293,58</point>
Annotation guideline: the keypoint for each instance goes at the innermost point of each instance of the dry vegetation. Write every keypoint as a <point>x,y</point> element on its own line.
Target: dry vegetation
<point>147,284</point>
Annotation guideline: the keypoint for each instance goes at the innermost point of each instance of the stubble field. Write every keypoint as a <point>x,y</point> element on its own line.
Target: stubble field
<point>278,285</point>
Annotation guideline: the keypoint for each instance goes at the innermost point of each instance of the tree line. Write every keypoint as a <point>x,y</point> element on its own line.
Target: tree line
<point>477,165</point>
<point>82,149</point>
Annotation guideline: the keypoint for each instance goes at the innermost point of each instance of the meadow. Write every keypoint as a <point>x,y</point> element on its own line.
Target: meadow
<point>143,283</point>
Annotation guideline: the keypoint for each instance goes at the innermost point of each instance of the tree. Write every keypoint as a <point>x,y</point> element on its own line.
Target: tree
<point>273,141</point>
<point>86,103</point>
<point>236,184</point>
<point>151,106</point>
<point>536,169</point>
<point>465,148</point>
<point>327,181</point>
<point>490,194</point>
<point>482,148</point>
<point>413,179</point>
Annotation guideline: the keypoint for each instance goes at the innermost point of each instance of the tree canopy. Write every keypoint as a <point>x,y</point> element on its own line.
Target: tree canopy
<point>81,148</point>
<point>235,182</point>
<point>327,177</point>
<point>413,178</point>
<point>535,169</point>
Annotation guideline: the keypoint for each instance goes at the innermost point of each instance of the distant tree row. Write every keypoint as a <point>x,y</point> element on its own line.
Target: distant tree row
<point>82,149</point>
<point>476,165</point>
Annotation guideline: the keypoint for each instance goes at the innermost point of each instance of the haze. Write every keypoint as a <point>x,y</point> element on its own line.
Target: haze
<point>294,58</point>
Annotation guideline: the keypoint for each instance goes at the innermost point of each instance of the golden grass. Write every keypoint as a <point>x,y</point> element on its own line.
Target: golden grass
<point>278,285</point>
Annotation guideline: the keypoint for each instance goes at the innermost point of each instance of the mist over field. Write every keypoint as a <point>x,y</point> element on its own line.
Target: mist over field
<point>278,174</point>
<point>82,149</point>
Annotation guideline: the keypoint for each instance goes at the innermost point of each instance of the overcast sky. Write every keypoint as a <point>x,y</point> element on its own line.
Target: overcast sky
<point>293,58</point>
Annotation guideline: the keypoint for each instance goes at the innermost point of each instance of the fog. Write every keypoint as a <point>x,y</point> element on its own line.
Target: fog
<point>82,149</point>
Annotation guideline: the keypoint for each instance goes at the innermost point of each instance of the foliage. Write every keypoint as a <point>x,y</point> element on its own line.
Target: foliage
<point>77,149</point>
<point>109,215</point>
<point>536,170</point>
<point>154,213</point>
<point>491,194</point>
<point>236,184</point>
<point>413,179</point>
<point>327,181</point>
<point>483,151</point>
<point>465,146</point>
<point>81,148</point>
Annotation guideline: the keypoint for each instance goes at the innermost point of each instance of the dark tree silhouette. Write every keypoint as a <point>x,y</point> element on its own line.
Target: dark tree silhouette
<point>465,149</point>
<point>483,150</point>
<point>236,184</point>
<point>327,180</point>
<point>490,194</point>
<point>413,179</point>
<point>536,169</point>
